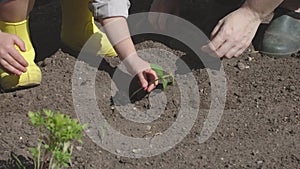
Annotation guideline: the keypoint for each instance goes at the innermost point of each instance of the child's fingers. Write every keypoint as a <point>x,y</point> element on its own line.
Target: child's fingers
<point>143,81</point>
<point>148,77</point>
<point>20,43</point>
<point>9,68</point>
<point>18,57</point>
<point>152,77</point>
<point>14,63</point>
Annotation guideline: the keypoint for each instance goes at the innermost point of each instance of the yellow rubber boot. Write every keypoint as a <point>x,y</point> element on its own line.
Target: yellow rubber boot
<point>78,26</point>
<point>32,77</point>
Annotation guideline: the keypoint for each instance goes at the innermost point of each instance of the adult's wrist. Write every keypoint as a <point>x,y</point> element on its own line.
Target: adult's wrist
<point>261,8</point>
<point>256,14</point>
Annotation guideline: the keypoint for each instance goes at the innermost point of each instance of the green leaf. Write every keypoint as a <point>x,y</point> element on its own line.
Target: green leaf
<point>158,69</point>
<point>48,113</point>
<point>34,152</point>
<point>46,146</point>
<point>165,83</point>
<point>57,134</point>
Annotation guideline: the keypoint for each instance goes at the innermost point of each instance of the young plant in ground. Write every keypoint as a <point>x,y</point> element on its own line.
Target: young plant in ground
<point>165,78</point>
<point>57,134</point>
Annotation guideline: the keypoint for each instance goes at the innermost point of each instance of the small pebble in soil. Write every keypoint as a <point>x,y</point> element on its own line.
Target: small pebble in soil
<point>250,58</point>
<point>241,66</point>
<point>292,88</point>
<point>135,151</point>
<point>148,127</point>
<point>79,148</point>
<point>46,62</point>
<point>39,97</point>
<point>259,162</point>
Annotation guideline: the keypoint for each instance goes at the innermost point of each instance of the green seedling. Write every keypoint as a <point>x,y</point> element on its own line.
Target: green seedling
<point>165,78</point>
<point>57,135</point>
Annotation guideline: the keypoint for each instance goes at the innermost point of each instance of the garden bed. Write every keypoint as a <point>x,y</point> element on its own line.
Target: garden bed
<point>259,128</point>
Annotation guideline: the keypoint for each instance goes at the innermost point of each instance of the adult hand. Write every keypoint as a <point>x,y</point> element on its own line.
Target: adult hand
<point>159,21</point>
<point>234,33</point>
<point>11,61</point>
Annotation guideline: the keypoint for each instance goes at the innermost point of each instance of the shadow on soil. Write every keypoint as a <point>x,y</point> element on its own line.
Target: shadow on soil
<point>16,162</point>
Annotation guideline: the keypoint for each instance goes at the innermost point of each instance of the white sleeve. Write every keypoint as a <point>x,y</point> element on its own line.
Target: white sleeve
<point>109,8</point>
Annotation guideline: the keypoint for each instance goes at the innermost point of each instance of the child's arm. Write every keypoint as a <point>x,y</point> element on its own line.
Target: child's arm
<point>117,31</point>
<point>112,15</point>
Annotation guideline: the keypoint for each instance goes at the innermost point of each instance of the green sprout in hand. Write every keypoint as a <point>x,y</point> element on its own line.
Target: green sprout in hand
<point>162,76</point>
<point>57,134</point>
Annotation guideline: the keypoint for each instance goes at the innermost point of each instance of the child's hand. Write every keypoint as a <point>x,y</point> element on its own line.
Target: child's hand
<point>137,66</point>
<point>11,61</point>
<point>117,31</point>
<point>148,79</point>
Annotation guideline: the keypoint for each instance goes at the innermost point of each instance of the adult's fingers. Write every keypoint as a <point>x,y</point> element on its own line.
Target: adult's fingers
<point>207,50</point>
<point>211,47</point>
<point>239,52</point>
<point>222,50</point>
<point>216,29</point>
<point>243,47</point>
<point>231,53</point>
<point>217,42</point>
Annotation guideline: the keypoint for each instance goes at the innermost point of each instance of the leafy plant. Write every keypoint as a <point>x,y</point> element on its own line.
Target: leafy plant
<point>57,134</point>
<point>165,78</point>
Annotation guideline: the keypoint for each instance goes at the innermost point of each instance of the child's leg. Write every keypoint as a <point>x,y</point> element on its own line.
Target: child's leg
<point>13,20</point>
<point>15,10</point>
<point>78,25</point>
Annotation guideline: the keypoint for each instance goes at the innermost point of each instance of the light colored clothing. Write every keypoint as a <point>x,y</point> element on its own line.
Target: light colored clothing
<point>109,8</point>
